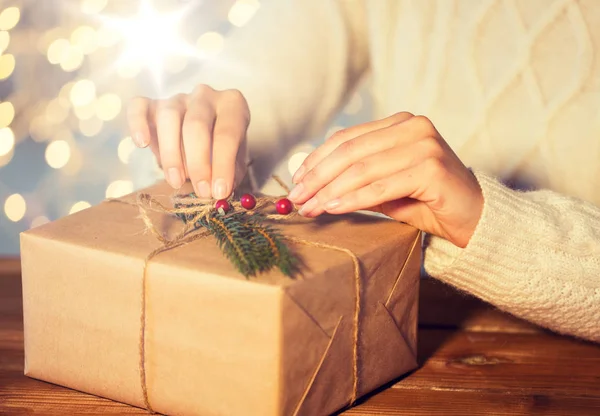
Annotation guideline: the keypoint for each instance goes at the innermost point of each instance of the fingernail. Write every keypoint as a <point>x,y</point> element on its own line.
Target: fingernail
<point>174,178</point>
<point>296,192</point>
<point>310,205</point>
<point>220,188</point>
<point>139,139</point>
<point>333,204</point>
<point>298,175</point>
<point>203,188</point>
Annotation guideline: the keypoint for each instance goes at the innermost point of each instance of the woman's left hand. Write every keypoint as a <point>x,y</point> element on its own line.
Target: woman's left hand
<point>399,166</point>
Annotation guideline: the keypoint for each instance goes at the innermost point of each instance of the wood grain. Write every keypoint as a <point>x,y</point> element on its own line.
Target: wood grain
<point>473,359</point>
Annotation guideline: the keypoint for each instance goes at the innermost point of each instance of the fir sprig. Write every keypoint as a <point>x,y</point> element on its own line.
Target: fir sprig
<point>248,242</point>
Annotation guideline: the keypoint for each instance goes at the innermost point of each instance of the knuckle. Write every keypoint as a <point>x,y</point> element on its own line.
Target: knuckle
<point>202,90</point>
<point>359,168</point>
<point>312,175</point>
<point>431,147</point>
<point>402,116</point>
<point>233,95</point>
<point>377,188</point>
<point>423,124</point>
<point>347,148</point>
<point>338,136</point>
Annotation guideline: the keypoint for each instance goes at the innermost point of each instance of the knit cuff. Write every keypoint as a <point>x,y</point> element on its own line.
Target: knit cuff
<point>497,248</point>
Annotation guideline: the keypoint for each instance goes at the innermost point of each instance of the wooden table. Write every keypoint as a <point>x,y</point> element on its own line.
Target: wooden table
<point>474,360</point>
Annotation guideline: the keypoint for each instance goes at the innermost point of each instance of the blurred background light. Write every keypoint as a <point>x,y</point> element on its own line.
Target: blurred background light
<point>210,43</point>
<point>70,67</point>
<point>79,206</point>
<point>83,92</point>
<point>93,6</point>
<point>9,18</point>
<point>40,220</point>
<point>242,11</point>
<point>15,207</point>
<point>7,113</point>
<point>7,65</point>
<point>119,188</point>
<point>4,41</point>
<point>125,149</point>
<point>7,141</point>
<point>58,154</point>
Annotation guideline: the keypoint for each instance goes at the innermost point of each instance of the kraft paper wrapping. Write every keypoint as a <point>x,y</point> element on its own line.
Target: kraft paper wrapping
<point>216,343</point>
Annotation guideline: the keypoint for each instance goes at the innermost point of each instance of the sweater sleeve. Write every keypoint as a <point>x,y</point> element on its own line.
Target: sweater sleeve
<point>295,62</point>
<point>533,254</point>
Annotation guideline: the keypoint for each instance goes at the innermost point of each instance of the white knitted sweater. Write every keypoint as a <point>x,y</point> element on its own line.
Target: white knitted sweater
<point>513,86</point>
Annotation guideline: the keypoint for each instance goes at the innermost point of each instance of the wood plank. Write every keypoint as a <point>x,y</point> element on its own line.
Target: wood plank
<point>442,306</point>
<point>495,366</point>
<point>511,363</point>
<point>460,403</point>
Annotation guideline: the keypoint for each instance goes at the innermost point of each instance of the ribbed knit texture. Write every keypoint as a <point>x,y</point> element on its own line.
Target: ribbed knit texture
<point>533,254</point>
<point>512,85</point>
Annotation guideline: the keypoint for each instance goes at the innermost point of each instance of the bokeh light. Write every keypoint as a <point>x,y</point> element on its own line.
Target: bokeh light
<point>5,160</point>
<point>83,92</point>
<point>71,59</point>
<point>40,220</point>
<point>108,106</point>
<point>210,43</point>
<point>40,129</point>
<point>85,112</point>
<point>7,113</point>
<point>4,41</point>
<point>9,18</point>
<point>119,188</point>
<point>93,6</point>
<point>57,49</point>
<point>84,39</point>
<point>58,154</point>
<point>106,37</point>
<point>128,69</point>
<point>296,160</point>
<point>90,127</point>
<point>79,206</point>
<point>7,140</point>
<point>56,112</point>
<point>242,11</point>
<point>15,207</point>
<point>125,149</point>
<point>7,65</point>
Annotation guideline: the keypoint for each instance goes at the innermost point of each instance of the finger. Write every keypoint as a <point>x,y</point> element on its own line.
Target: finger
<point>352,151</point>
<point>197,131</point>
<point>169,116</point>
<point>229,133</point>
<point>414,182</point>
<point>342,136</point>
<point>370,169</point>
<point>138,120</point>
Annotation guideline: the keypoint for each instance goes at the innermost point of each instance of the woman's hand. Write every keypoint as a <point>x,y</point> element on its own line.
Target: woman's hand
<point>399,166</point>
<point>200,136</point>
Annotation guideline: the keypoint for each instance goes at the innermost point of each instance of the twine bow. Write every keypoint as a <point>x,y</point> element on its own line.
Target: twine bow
<point>197,209</point>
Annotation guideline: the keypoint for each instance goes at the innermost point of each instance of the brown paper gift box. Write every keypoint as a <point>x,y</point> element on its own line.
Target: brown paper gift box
<point>217,343</point>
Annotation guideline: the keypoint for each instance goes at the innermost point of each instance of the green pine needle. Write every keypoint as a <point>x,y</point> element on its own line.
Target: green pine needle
<point>252,246</point>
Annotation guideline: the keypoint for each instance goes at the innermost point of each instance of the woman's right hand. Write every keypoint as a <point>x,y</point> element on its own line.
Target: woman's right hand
<point>200,136</point>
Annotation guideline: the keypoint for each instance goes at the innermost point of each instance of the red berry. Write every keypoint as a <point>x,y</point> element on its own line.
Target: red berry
<point>222,203</point>
<point>284,206</point>
<point>248,201</point>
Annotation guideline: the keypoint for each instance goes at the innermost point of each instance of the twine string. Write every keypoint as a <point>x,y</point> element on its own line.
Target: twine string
<point>202,208</point>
